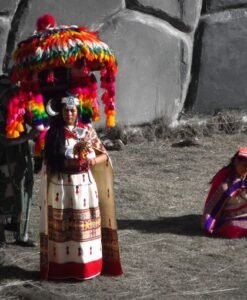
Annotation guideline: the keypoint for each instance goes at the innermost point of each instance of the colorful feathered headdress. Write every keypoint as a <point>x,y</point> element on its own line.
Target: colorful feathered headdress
<point>38,60</point>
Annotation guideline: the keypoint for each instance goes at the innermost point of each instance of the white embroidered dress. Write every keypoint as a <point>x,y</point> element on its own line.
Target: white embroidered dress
<point>72,222</point>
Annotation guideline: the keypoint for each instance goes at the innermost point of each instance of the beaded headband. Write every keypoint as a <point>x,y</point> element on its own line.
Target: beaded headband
<point>70,101</point>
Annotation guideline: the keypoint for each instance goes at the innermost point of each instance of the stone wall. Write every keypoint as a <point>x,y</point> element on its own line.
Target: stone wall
<point>220,82</point>
<point>172,55</point>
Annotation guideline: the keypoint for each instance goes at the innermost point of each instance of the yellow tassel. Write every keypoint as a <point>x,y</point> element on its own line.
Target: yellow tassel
<point>96,118</point>
<point>15,134</point>
<point>110,121</point>
<point>20,127</point>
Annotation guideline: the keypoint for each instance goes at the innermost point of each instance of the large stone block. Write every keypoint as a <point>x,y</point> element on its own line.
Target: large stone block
<point>223,70</point>
<point>154,64</point>
<point>187,11</point>
<point>9,7</point>
<point>4,32</point>
<point>89,13</point>
<point>211,6</point>
<point>11,10</point>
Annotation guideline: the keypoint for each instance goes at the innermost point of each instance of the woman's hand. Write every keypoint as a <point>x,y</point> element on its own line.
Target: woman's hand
<point>98,159</point>
<point>91,162</point>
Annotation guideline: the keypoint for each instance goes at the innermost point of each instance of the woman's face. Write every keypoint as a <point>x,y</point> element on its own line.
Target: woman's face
<point>70,115</point>
<point>241,167</point>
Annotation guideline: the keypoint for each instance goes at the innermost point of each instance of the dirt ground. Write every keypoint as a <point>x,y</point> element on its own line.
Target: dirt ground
<point>160,191</point>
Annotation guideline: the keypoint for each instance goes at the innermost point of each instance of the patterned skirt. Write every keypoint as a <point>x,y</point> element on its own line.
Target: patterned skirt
<point>71,244</point>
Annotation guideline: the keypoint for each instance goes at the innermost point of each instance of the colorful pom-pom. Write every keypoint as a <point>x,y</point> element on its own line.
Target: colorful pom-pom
<point>62,46</point>
<point>46,21</point>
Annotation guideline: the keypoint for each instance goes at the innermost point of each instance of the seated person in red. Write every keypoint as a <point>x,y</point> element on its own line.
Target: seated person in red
<point>225,210</point>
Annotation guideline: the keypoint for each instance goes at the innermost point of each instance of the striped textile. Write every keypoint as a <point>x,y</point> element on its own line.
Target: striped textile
<point>225,210</point>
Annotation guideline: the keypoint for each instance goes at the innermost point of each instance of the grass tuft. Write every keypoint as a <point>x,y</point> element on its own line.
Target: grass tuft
<point>187,127</point>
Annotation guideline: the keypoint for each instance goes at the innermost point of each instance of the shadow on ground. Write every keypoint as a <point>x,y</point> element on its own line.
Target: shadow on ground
<point>189,225</point>
<point>14,272</point>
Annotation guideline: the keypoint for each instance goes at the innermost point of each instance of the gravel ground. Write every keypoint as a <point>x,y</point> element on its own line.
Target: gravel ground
<point>160,191</point>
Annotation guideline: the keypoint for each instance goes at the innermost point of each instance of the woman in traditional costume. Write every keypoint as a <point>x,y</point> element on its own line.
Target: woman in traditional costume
<point>72,236</point>
<point>55,71</point>
<point>225,211</point>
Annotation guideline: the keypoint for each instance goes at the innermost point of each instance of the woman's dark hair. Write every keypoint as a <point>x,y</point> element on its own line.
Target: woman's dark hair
<point>55,145</point>
<point>54,151</point>
<point>235,156</point>
<point>230,164</point>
